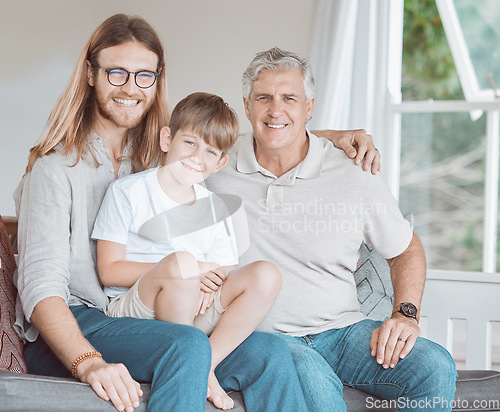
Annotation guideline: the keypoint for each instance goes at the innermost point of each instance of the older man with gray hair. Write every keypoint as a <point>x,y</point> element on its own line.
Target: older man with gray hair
<point>309,210</point>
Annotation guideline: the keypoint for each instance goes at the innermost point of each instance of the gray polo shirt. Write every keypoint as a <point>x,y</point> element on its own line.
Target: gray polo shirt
<point>311,223</point>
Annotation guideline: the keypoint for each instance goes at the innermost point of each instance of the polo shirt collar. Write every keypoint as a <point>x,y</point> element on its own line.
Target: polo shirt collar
<point>246,161</point>
<point>312,165</point>
<point>309,168</point>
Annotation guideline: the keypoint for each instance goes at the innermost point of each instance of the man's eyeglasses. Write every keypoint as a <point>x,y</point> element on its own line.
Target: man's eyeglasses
<point>118,77</point>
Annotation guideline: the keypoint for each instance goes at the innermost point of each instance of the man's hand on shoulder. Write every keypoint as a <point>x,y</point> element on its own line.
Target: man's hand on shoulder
<point>394,340</point>
<point>357,144</point>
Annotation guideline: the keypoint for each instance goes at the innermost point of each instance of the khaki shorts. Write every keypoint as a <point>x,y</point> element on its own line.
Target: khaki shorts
<point>129,304</point>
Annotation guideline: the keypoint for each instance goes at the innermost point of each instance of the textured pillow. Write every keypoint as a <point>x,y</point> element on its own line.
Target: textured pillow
<point>11,346</point>
<point>373,281</point>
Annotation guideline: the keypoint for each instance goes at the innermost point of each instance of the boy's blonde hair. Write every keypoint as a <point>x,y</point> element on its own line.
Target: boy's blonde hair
<point>209,117</point>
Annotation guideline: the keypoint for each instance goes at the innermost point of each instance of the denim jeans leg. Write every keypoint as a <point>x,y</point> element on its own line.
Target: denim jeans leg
<point>40,360</point>
<point>174,358</point>
<point>322,388</point>
<point>424,380</point>
<point>262,369</point>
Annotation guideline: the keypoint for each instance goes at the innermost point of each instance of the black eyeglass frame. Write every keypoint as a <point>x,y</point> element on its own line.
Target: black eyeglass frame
<point>155,74</point>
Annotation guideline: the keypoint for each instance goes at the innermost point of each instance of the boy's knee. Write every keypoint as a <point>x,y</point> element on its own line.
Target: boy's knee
<point>179,265</point>
<point>266,278</point>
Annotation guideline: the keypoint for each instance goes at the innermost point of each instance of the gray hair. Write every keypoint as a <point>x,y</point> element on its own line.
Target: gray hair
<point>277,60</point>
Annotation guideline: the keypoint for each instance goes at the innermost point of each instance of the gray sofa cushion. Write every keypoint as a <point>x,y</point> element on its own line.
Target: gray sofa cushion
<point>23,392</point>
<point>28,393</point>
<point>478,391</point>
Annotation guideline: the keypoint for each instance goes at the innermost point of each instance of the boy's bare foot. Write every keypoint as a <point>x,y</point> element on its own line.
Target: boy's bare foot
<point>217,395</point>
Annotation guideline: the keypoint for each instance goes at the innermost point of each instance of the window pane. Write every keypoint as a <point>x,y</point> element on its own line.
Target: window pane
<point>479,21</point>
<point>428,70</point>
<point>442,185</point>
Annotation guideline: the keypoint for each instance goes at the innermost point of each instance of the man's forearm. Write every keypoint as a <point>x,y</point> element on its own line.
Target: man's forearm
<point>56,323</point>
<point>59,328</point>
<point>408,274</point>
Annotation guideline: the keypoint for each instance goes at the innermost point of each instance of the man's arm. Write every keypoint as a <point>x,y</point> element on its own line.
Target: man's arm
<point>356,144</point>
<point>60,330</point>
<point>44,211</point>
<point>397,335</point>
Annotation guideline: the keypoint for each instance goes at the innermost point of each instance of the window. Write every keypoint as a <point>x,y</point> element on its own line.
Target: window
<point>473,35</point>
<point>449,120</point>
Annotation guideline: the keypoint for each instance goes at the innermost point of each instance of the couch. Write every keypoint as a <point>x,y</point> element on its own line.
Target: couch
<point>21,391</point>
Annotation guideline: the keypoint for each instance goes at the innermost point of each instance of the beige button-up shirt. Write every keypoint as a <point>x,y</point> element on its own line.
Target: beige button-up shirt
<point>56,204</point>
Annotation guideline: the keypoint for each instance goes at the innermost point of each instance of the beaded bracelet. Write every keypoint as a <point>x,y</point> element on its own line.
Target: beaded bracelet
<point>82,358</point>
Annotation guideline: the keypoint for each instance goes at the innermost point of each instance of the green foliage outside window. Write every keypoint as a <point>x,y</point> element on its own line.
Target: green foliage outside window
<point>428,67</point>
<point>442,157</point>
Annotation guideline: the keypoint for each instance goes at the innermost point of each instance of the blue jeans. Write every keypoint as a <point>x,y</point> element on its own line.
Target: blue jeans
<point>424,380</point>
<point>176,360</point>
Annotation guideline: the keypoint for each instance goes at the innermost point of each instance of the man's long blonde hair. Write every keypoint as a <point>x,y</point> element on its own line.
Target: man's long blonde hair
<point>73,115</point>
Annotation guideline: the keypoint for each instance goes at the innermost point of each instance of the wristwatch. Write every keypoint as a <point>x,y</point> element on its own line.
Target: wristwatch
<point>409,310</point>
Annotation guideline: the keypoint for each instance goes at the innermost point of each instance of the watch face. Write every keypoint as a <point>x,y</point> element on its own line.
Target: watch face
<point>409,309</point>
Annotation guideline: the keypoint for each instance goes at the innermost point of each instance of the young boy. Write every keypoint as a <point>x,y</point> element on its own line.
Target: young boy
<point>165,248</point>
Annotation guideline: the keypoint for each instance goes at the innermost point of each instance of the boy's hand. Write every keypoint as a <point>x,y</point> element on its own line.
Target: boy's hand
<point>206,299</point>
<point>212,280</point>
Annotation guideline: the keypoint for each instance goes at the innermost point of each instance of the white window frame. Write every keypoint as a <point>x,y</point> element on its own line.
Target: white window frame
<point>459,50</point>
<point>476,101</point>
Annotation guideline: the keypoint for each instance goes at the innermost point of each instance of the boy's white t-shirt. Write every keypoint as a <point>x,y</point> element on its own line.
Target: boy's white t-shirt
<point>137,213</point>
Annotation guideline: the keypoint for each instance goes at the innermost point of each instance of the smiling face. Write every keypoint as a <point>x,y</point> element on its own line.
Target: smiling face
<point>278,110</point>
<point>123,106</point>
<point>189,158</point>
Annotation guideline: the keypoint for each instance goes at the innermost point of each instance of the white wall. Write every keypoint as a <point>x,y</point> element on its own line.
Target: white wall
<point>208,44</point>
